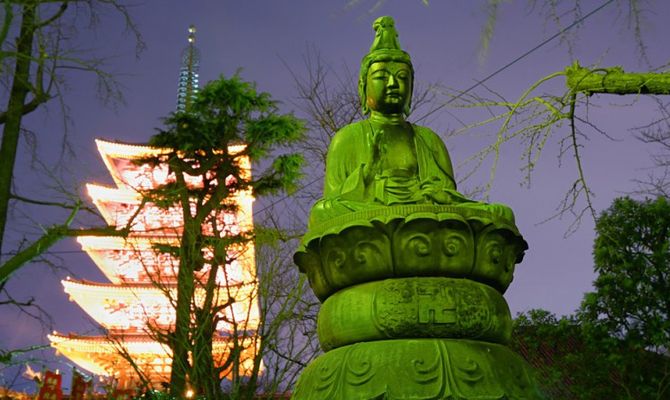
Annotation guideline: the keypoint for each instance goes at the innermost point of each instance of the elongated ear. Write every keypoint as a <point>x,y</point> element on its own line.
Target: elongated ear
<point>362,95</point>
<point>408,103</point>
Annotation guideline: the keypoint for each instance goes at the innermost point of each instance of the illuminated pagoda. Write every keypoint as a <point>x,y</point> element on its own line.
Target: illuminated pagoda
<point>136,301</point>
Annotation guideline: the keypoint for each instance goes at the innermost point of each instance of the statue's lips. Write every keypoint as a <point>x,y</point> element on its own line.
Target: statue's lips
<point>393,95</point>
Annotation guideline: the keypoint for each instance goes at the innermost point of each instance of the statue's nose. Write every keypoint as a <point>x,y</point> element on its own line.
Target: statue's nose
<point>392,81</point>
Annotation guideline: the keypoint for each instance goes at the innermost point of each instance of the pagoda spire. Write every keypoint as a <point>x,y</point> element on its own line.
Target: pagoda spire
<point>189,73</point>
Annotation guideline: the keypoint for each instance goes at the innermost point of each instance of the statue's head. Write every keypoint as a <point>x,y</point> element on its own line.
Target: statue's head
<point>386,60</point>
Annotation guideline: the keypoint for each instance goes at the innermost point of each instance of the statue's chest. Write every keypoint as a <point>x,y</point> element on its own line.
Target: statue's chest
<point>397,152</point>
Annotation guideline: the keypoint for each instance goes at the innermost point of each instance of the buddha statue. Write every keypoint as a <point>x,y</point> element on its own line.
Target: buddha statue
<point>384,160</point>
<point>410,273</point>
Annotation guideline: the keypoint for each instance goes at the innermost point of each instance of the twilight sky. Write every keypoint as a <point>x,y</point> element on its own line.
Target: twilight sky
<point>261,37</point>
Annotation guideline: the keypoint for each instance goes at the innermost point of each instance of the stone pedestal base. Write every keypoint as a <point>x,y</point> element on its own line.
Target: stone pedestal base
<point>417,369</point>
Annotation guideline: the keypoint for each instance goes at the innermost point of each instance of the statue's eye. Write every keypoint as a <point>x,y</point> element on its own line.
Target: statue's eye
<point>402,75</point>
<point>380,76</point>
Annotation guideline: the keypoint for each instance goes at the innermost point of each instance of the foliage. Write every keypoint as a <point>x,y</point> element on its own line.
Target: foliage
<point>573,362</point>
<point>631,300</point>
<point>229,112</point>
<point>616,345</point>
<point>228,122</point>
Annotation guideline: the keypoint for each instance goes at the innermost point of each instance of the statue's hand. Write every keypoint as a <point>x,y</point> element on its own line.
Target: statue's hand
<point>436,191</point>
<point>432,190</point>
<point>371,168</point>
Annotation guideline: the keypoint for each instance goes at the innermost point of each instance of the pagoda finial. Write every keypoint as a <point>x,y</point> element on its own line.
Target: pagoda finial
<point>188,74</point>
<point>191,34</point>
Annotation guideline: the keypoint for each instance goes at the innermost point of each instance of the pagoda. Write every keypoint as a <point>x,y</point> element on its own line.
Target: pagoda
<point>136,302</point>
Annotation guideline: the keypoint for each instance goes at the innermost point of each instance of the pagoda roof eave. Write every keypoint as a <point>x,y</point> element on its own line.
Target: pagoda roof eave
<point>130,338</point>
<point>135,151</point>
<point>132,306</point>
<point>131,286</point>
<point>134,286</point>
<point>137,242</point>
<point>98,247</point>
<point>102,355</point>
<point>115,150</point>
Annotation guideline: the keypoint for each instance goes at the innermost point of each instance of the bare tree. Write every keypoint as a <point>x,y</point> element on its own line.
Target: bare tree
<point>657,134</point>
<point>34,70</point>
<point>39,55</point>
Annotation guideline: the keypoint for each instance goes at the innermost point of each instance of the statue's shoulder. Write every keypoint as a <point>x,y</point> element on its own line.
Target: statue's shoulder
<point>350,134</point>
<point>427,134</point>
<point>353,128</point>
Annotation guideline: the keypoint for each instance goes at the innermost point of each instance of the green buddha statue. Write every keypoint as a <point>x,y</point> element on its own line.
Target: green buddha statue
<point>385,160</point>
<point>410,273</point>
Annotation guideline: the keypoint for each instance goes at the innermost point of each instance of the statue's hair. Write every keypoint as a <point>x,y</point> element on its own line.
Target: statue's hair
<point>379,56</point>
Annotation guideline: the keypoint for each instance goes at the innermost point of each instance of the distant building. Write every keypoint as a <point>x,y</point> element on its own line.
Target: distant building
<point>135,303</point>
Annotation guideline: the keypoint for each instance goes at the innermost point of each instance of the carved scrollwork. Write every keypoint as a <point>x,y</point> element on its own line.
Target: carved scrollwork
<point>453,245</point>
<point>326,376</point>
<point>498,252</point>
<point>495,253</point>
<point>335,258</point>
<point>365,253</point>
<point>413,249</point>
<point>426,370</point>
<point>358,254</point>
<point>420,245</point>
<point>436,369</point>
<point>446,244</point>
<point>359,367</point>
<point>458,247</point>
<point>469,370</point>
<point>310,264</point>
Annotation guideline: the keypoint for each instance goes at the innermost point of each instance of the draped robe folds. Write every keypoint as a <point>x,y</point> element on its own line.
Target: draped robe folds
<point>354,181</point>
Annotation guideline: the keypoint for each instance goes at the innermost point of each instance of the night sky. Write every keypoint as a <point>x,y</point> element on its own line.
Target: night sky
<point>261,38</point>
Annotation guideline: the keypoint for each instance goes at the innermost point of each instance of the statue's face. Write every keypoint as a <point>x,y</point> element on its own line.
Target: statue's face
<point>388,87</point>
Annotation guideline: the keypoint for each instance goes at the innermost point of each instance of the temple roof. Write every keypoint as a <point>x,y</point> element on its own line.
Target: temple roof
<point>130,307</point>
<point>121,161</point>
<point>132,259</point>
<point>119,205</point>
<point>102,355</point>
<point>135,343</point>
<point>138,243</point>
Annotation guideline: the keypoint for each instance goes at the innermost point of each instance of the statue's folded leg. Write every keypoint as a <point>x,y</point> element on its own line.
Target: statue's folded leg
<point>496,209</point>
<point>326,209</point>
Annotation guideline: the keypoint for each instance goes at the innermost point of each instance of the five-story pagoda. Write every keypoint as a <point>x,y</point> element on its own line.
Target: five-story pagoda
<point>138,304</point>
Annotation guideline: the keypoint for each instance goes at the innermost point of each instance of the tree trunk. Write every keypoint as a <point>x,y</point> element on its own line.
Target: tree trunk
<point>48,239</point>
<point>181,339</point>
<point>205,377</point>
<point>15,109</point>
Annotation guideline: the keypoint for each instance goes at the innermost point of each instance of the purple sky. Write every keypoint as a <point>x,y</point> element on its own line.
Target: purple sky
<point>443,39</point>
